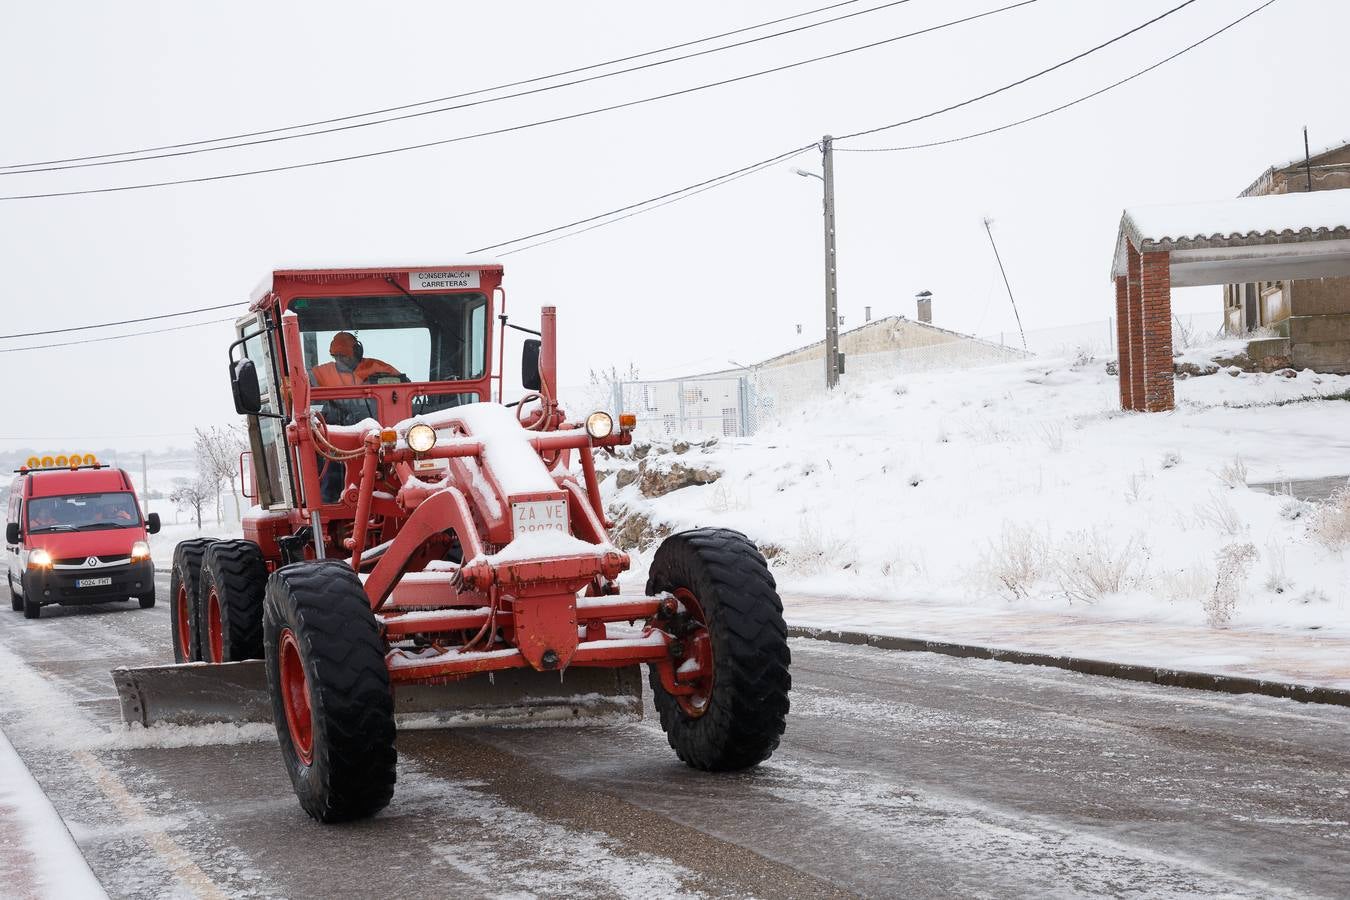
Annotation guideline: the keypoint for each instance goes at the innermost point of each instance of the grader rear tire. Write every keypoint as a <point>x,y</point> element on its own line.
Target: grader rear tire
<point>724,583</point>
<point>331,697</point>
<point>187,567</point>
<point>230,602</point>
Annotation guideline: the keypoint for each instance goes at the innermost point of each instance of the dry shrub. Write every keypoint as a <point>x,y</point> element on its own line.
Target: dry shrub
<point>1329,523</point>
<point>1090,566</point>
<point>1232,563</point>
<point>1277,569</point>
<point>816,550</point>
<point>1233,474</point>
<point>1219,514</point>
<point>1015,562</point>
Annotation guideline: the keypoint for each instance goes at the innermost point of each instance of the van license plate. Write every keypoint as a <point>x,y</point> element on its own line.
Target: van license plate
<point>93,582</point>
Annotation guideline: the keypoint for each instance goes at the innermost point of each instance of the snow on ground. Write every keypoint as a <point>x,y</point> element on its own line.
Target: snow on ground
<point>38,857</point>
<point>1024,486</point>
<point>162,544</point>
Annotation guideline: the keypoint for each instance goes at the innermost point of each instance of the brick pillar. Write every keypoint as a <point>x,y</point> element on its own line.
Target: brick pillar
<point>1159,385</point>
<point>1136,309</point>
<point>1123,340</point>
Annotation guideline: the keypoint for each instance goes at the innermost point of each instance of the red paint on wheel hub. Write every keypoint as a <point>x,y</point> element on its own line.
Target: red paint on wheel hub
<point>295,697</point>
<point>698,647</point>
<point>181,611</point>
<point>215,634</point>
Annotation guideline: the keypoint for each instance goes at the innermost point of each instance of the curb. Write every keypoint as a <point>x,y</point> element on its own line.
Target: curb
<point>1201,681</point>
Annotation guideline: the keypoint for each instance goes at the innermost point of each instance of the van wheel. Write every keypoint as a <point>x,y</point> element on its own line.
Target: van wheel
<point>32,608</point>
<point>146,600</point>
<point>15,601</point>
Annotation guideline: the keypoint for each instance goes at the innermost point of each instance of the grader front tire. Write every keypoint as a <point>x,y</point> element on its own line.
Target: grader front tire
<point>230,601</point>
<point>723,581</point>
<point>331,697</point>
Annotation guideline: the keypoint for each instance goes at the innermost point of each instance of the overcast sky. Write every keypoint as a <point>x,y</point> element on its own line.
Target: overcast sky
<point>723,276</point>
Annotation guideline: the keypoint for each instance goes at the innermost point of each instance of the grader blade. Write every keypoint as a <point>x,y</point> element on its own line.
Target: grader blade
<point>237,693</point>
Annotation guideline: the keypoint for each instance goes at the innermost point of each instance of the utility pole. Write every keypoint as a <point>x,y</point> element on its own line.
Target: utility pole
<point>1307,157</point>
<point>990,231</point>
<point>831,263</point>
<point>145,483</point>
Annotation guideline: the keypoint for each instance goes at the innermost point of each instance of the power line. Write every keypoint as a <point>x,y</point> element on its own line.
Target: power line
<point>527,125</point>
<point>1021,81</point>
<point>741,174</point>
<point>725,176</point>
<point>473,93</point>
<point>698,187</point>
<point>25,170</point>
<point>1049,112</point>
<point>115,337</point>
<point>186,312</point>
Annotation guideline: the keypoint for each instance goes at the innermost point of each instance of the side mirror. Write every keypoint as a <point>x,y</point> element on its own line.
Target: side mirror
<point>12,533</point>
<point>152,523</point>
<point>529,365</point>
<point>244,386</point>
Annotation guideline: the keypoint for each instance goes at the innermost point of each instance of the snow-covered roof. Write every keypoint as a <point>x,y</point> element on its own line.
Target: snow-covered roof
<point>1209,232</point>
<point>1316,153</point>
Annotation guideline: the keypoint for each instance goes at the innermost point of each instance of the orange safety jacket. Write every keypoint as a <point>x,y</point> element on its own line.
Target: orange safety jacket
<point>329,375</point>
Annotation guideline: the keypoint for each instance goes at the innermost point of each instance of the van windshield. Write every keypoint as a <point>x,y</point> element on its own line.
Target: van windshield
<point>83,512</point>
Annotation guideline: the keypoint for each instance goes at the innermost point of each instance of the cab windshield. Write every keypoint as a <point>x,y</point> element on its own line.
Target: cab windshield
<point>83,512</point>
<point>350,341</point>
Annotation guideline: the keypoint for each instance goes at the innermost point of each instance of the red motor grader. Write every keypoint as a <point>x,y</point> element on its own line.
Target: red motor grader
<point>419,552</point>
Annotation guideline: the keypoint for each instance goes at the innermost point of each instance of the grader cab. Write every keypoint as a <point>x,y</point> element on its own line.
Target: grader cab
<point>421,552</point>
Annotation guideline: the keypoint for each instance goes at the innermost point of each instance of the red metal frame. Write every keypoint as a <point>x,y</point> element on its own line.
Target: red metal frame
<point>488,613</point>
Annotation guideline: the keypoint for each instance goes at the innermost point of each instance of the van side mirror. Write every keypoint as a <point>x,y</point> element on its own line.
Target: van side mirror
<point>152,523</point>
<point>529,365</point>
<point>12,533</point>
<point>244,386</point>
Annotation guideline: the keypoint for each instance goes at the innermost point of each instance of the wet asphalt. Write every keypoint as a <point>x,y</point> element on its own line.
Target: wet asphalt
<point>901,775</point>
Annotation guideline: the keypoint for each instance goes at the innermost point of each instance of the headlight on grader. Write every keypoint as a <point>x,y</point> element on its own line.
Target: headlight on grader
<point>421,437</point>
<point>599,425</point>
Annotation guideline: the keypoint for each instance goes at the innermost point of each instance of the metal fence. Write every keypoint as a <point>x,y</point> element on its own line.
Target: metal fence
<point>737,403</point>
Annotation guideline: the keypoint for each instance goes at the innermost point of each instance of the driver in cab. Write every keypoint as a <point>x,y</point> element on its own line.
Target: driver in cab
<point>350,366</point>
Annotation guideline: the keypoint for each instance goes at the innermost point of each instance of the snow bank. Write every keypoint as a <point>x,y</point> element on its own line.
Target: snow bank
<point>38,857</point>
<point>1025,485</point>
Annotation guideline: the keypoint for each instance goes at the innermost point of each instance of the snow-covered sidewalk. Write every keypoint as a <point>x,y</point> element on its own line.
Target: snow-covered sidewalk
<point>1301,657</point>
<point>38,857</point>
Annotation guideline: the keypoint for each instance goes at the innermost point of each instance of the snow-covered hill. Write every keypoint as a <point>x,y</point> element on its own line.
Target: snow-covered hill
<point>1025,484</point>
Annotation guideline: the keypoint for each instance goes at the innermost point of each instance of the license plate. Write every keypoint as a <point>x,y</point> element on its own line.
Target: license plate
<point>93,582</point>
<point>535,516</point>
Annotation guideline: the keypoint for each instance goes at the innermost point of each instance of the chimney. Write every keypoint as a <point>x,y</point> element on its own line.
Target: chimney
<point>925,299</point>
<point>867,313</point>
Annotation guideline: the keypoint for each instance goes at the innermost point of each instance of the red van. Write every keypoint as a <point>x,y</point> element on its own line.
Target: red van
<point>76,535</point>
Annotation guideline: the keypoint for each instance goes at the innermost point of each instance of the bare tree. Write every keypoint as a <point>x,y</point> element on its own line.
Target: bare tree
<point>192,495</point>
<point>218,448</point>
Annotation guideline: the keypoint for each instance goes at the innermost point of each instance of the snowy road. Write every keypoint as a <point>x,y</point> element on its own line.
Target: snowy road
<point>902,774</point>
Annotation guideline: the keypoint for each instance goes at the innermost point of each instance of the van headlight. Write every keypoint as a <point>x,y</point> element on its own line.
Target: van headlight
<point>39,559</point>
<point>421,437</point>
<point>599,425</point>
<point>140,551</point>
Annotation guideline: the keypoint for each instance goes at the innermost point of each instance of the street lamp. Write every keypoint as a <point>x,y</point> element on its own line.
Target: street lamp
<point>831,286</point>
